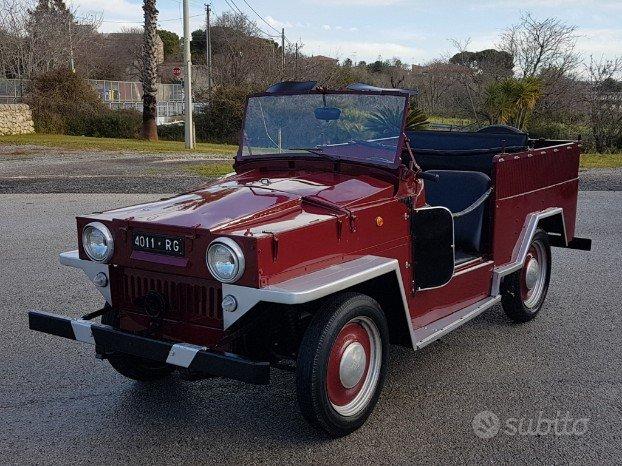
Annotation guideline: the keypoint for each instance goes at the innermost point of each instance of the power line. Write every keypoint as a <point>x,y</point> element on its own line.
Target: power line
<point>279,33</point>
<point>261,17</point>
<point>234,7</point>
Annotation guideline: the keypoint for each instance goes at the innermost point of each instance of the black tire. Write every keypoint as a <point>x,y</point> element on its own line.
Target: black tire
<point>133,367</point>
<point>312,374</point>
<point>513,298</point>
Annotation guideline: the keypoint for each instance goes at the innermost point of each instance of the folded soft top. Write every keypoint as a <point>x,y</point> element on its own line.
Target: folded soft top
<point>473,151</point>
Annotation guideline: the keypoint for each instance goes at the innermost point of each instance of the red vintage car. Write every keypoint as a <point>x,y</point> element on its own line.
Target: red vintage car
<point>342,231</point>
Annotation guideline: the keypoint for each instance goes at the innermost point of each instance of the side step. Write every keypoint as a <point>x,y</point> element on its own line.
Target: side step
<point>435,330</point>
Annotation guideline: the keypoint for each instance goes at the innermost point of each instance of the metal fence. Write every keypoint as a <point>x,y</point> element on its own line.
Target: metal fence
<point>11,90</point>
<point>117,95</point>
<point>130,91</point>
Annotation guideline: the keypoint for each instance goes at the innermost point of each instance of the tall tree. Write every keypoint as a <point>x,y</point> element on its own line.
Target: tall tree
<point>603,98</point>
<point>171,43</point>
<point>150,71</point>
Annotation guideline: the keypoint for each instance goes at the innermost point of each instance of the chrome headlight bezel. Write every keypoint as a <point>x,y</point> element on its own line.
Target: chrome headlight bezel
<point>236,254</point>
<point>108,237</point>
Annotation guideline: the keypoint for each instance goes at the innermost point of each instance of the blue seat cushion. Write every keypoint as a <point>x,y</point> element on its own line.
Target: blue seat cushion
<point>458,190</point>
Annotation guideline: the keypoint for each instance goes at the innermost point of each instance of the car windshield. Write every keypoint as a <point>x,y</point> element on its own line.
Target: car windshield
<point>361,127</point>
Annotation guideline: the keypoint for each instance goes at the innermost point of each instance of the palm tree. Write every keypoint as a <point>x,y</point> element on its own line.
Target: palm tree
<point>512,100</point>
<point>387,122</point>
<point>150,72</point>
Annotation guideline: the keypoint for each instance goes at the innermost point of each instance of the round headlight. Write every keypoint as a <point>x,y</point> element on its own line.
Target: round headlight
<point>225,260</point>
<point>97,242</point>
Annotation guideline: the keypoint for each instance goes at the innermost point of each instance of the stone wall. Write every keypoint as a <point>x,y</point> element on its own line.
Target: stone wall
<point>15,119</point>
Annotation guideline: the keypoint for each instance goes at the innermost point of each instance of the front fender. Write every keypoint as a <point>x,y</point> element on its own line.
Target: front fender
<point>314,286</point>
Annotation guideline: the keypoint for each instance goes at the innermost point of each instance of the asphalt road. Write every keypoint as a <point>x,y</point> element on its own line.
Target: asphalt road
<point>58,404</point>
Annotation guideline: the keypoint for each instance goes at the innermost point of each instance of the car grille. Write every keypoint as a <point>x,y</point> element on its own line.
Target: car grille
<point>187,299</point>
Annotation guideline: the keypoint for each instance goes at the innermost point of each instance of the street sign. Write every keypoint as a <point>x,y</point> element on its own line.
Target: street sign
<point>177,71</point>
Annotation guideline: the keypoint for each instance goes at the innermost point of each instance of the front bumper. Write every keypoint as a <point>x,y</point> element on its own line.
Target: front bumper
<point>192,357</point>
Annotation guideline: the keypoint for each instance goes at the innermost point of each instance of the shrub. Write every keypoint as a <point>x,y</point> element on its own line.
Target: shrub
<point>222,120</point>
<point>564,131</point>
<point>113,124</point>
<point>60,100</point>
<point>172,132</point>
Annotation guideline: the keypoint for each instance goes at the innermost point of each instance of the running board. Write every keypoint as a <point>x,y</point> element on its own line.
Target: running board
<point>435,330</point>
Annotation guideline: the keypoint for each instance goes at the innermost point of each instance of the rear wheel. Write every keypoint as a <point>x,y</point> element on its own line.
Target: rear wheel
<point>342,363</point>
<point>524,291</point>
<point>133,367</point>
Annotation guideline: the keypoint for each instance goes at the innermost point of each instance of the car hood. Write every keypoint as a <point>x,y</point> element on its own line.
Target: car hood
<point>249,199</point>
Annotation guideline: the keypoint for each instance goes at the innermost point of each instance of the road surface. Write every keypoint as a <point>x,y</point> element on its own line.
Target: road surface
<point>58,404</point>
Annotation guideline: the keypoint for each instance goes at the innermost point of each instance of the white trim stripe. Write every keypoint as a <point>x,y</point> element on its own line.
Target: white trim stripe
<point>82,331</point>
<point>182,354</point>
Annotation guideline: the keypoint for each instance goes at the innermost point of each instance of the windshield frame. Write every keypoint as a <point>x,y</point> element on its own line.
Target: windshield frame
<point>294,155</point>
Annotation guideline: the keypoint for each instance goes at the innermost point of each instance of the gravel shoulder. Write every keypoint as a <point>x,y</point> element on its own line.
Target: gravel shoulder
<point>33,169</point>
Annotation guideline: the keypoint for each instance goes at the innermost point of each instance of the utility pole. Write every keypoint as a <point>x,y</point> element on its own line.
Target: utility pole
<point>296,63</point>
<point>208,51</point>
<point>188,125</point>
<point>72,64</point>
<point>283,53</point>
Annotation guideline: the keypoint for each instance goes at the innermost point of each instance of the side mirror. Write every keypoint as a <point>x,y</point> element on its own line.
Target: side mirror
<point>327,113</point>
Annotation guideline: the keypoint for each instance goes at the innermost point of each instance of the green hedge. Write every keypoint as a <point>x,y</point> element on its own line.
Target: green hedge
<point>113,124</point>
<point>171,132</point>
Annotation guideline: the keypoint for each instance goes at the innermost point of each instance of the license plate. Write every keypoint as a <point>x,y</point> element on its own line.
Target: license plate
<point>160,244</point>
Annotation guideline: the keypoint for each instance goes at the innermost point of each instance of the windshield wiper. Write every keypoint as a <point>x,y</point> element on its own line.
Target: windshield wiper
<point>316,151</point>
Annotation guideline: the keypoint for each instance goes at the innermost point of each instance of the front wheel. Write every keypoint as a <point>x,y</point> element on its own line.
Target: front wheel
<point>134,367</point>
<point>342,363</point>
<point>524,291</point>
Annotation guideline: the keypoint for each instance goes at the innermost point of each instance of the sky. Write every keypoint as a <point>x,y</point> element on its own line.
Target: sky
<point>415,31</point>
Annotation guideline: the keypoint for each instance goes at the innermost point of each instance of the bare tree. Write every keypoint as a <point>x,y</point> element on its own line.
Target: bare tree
<point>544,49</point>
<point>603,99</point>
<point>150,72</point>
<point>435,84</point>
<point>43,35</point>
<point>471,81</point>
<point>541,46</point>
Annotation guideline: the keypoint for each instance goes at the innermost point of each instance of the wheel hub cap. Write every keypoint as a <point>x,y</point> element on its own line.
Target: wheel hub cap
<point>352,365</point>
<point>532,273</point>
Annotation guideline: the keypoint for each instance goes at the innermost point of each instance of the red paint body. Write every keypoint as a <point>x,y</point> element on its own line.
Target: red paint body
<point>298,215</point>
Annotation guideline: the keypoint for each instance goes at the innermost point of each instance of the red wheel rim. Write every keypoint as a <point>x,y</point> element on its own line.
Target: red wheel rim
<point>353,367</point>
<point>525,292</point>
<point>533,274</point>
<point>338,394</point>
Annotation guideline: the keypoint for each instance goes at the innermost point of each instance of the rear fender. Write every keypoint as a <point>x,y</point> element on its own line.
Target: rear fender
<point>550,220</point>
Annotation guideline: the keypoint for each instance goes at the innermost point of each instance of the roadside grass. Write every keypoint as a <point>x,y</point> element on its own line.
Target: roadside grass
<point>601,160</point>
<point>112,144</point>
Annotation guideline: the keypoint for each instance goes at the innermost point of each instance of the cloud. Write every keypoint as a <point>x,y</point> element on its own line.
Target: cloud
<point>600,42</point>
<point>585,4</point>
<point>275,23</point>
<point>371,3</point>
<point>368,51</point>
<point>121,9</point>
